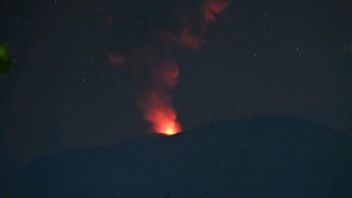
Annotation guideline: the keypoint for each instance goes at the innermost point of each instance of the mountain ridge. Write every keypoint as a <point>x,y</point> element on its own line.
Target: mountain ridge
<point>270,156</point>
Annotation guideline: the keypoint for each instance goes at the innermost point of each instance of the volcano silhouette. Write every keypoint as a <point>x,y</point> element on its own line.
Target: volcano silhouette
<point>265,156</point>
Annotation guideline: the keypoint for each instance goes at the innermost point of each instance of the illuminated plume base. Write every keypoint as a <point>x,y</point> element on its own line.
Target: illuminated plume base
<point>163,119</point>
<point>168,128</point>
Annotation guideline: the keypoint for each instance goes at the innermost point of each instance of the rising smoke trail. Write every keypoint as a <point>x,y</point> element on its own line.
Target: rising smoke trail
<point>157,27</point>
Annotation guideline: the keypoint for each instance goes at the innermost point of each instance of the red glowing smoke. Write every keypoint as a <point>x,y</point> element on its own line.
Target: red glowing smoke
<point>194,27</point>
<point>156,102</point>
<point>213,7</point>
<point>150,62</point>
<point>156,78</point>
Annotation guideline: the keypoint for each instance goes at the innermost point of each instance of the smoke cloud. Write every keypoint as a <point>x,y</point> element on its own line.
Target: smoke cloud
<point>145,34</point>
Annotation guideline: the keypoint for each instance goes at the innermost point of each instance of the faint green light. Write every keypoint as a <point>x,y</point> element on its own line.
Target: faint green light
<point>5,60</point>
<point>3,51</point>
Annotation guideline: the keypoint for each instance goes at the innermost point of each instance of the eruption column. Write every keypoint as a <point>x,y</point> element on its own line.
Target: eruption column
<point>170,24</point>
<point>156,101</point>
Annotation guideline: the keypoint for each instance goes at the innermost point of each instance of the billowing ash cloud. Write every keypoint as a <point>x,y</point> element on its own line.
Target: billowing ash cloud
<point>146,32</point>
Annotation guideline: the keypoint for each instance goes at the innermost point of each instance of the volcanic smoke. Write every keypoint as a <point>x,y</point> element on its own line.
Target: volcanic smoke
<point>151,63</point>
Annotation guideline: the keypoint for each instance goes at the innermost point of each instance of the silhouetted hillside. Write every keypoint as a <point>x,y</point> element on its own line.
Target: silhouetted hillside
<point>267,156</point>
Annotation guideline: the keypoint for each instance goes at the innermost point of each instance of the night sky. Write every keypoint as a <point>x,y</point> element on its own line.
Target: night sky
<point>260,57</point>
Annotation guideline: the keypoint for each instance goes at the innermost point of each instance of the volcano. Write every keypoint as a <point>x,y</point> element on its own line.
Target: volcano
<point>264,156</point>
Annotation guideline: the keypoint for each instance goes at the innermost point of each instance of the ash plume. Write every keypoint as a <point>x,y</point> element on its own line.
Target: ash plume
<point>145,34</point>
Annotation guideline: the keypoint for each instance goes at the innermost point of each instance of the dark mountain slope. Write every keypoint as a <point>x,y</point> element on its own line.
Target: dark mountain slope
<point>267,156</point>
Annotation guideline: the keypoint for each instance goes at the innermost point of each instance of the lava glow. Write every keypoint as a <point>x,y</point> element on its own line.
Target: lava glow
<point>168,127</point>
<point>163,120</point>
<point>156,102</point>
<point>162,116</point>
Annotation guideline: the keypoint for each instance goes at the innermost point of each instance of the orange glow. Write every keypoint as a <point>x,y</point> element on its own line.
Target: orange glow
<point>156,101</point>
<point>165,121</point>
<point>169,128</point>
<point>162,117</point>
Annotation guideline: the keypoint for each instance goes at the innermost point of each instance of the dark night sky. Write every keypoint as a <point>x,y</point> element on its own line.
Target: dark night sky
<point>282,57</point>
